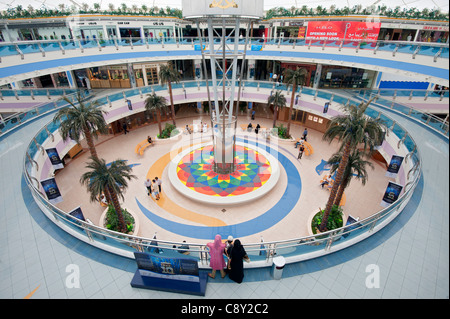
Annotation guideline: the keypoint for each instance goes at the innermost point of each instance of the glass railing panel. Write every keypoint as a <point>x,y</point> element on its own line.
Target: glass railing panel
<point>50,46</point>
<point>29,48</point>
<point>409,143</point>
<point>398,130</point>
<point>6,50</point>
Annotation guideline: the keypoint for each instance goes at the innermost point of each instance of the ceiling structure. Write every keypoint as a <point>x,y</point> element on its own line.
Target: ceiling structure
<point>442,5</point>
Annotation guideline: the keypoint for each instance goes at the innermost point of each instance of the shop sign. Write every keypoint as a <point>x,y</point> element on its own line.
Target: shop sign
<point>336,30</point>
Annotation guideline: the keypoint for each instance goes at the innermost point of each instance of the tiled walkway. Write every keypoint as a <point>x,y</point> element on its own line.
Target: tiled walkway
<point>412,253</point>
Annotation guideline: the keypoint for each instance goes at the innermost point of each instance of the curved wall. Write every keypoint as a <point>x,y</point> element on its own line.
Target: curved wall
<point>417,67</point>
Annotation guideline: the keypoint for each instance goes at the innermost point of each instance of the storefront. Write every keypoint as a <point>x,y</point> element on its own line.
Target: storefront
<point>437,34</point>
<point>112,76</point>
<point>310,68</point>
<point>146,74</point>
<point>343,77</point>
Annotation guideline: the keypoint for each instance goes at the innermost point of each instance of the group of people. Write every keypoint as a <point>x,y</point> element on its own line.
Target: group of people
<point>250,127</point>
<point>235,253</point>
<point>153,187</point>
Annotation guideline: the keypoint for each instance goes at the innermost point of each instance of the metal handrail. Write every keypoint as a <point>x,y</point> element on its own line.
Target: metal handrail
<point>330,236</point>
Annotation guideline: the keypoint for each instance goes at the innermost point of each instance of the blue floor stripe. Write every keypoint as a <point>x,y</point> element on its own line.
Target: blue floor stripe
<point>270,218</point>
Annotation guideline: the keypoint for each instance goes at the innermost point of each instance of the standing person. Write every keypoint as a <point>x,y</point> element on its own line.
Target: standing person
<point>253,114</point>
<point>148,185</point>
<point>236,254</point>
<point>155,189</point>
<point>300,151</point>
<point>217,262</point>
<point>124,126</point>
<point>158,182</point>
<point>305,134</point>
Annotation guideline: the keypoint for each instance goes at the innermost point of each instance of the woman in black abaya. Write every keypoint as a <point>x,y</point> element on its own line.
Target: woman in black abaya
<point>236,254</point>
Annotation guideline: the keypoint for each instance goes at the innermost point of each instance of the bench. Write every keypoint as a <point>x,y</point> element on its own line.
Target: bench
<point>329,186</point>
<point>140,148</point>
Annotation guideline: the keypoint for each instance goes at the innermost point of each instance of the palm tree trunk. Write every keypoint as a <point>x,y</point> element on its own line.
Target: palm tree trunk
<point>339,194</point>
<point>172,107</point>
<point>158,118</point>
<point>118,209</point>
<point>336,184</point>
<point>90,143</point>
<point>275,109</point>
<point>294,88</point>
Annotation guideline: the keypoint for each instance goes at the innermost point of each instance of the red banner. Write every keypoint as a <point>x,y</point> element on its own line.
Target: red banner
<point>301,32</point>
<point>337,30</point>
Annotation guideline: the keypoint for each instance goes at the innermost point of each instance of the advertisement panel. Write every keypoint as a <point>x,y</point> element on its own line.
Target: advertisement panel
<point>391,194</point>
<point>301,33</point>
<point>54,158</point>
<point>394,166</point>
<point>183,269</point>
<point>52,191</point>
<point>336,30</point>
<point>205,8</point>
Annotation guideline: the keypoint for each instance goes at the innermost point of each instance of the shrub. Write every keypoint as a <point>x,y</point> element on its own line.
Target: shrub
<point>168,131</point>
<point>335,219</point>
<point>112,222</point>
<point>281,131</point>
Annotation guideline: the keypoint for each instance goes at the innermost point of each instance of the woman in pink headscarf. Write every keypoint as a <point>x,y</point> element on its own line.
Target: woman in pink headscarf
<point>217,262</point>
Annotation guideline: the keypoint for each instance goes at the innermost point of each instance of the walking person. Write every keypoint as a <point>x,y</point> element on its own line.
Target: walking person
<point>158,182</point>
<point>305,134</point>
<point>155,189</point>
<point>124,126</point>
<point>217,261</point>
<point>148,185</point>
<point>300,151</point>
<point>236,255</point>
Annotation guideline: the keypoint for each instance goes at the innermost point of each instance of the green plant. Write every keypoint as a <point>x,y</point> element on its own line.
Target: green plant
<point>281,131</point>
<point>168,131</point>
<point>112,221</point>
<point>335,219</point>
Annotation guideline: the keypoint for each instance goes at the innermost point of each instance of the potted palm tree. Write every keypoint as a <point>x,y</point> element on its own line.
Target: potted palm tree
<point>157,104</point>
<point>294,78</point>
<point>356,167</point>
<point>167,74</point>
<point>111,180</point>
<point>81,119</point>
<point>279,101</point>
<point>353,129</point>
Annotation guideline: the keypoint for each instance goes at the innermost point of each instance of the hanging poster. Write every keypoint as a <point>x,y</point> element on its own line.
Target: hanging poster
<point>391,194</point>
<point>325,107</point>
<point>301,33</point>
<point>77,213</point>
<point>51,190</point>
<point>394,166</point>
<point>54,158</point>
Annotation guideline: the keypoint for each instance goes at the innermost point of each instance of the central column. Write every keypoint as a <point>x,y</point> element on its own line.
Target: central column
<point>223,47</point>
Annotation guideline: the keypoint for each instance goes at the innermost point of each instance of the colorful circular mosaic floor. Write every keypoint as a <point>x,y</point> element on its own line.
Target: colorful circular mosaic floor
<point>191,172</point>
<point>195,171</point>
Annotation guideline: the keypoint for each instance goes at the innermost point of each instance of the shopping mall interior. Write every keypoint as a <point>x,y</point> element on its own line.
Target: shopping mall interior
<point>235,107</point>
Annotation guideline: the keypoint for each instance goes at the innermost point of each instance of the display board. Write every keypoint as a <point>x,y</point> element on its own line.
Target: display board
<point>217,8</point>
<point>337,30</point>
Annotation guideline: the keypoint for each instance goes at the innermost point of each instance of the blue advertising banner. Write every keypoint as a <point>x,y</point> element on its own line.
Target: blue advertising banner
<point>183,269</point>
<point>197,47</point>
<point>394,166</point>
<point>51,190</point>
<point>325,107</point>
<point>54,158</point>
<point>391,194</point>
<point>256,47</point>
<point>77,213</point>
